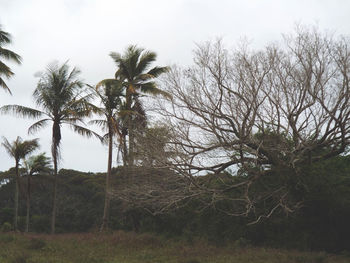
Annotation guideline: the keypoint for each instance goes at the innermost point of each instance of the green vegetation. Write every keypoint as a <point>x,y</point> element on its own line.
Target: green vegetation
<point>130,247</point>
<point>321,224</point>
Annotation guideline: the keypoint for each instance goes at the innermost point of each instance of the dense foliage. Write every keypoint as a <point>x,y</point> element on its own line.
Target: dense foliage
<point>321,224</point>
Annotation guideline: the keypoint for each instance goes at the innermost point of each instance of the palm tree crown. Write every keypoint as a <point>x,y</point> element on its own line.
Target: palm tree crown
<point>134,70</point>
<point>58,94</point>
<point>5,71</point>
<point>37,164</point>
<point>19,149</point>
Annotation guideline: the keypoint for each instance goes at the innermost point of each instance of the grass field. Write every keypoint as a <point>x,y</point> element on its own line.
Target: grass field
<point>123,247</point>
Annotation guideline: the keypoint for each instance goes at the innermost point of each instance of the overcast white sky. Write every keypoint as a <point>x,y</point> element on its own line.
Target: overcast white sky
<point>86,31</point>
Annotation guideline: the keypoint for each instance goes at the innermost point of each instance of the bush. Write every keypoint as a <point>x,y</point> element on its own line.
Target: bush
<point>6,227</point>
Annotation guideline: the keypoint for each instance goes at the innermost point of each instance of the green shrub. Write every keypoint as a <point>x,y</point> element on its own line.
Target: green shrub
<point>6,227</point>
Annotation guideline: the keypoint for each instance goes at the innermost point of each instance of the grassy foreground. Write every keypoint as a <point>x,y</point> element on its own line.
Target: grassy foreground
<point>122,247</point>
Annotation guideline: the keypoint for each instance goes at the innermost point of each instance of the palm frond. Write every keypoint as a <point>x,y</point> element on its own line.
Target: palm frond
<point>145,60</point>
<point>5,70</point>
<point>101,123</point>
<point>5,37</point>
<point>85,132</point>
<point>10,55</point>
<point>151,88</point>
<point>106,82</point>
<point>8,147</point>
<point>21,111</point>
<point>157,71</point>
<point>38,125</point>
<point>4,86</point>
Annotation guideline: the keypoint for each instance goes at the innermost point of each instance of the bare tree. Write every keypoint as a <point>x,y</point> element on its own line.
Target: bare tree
<point>258,113</point>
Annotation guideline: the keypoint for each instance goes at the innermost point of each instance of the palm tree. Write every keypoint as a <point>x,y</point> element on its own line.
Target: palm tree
<point>134,70</point>
<point>58,94</point>
<point>34,165</point>
<point>5,38</point>
<point>110,94</point>
<point>19,149</point>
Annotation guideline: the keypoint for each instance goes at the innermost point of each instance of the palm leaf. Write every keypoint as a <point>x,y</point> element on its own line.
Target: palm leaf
<point>101,123</point>
<point>5,70</point>
<point>10,55</point>
<point>145,61</point>
<point>157,71</point>
<point>5,37</point>
<point>4,86</point>
<point>21,111</point>
<point>37,126</point>
<point>151,88</point>
<point>84,131</point>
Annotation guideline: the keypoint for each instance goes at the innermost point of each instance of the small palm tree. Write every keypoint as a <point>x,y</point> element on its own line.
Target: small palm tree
<point>5,71</point>
<point>34,165</point>
<point>135,73</point>
<point>19,149</point>
<point>58,94</point>
<point>110,94</point>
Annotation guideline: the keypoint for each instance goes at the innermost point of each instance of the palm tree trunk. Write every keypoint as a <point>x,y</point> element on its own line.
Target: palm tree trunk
<point>56,138</point>
<point>53,215</point>
<point>130,156</point>
<point>106,209</point>
<point>15,220</point>
<point>125,148</point>
<point>28,203</point>
<point>131,143</point>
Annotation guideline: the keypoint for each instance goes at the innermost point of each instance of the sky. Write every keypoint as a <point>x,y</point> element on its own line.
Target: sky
<point>84,32</point>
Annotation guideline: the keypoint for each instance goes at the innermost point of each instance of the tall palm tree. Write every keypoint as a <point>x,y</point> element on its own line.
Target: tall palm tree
<point>110,94</point>
<point>58,94</point>
<point>5,71</point>
<point>137,76</point>
<point>19,149</point>
<point>34,165</point>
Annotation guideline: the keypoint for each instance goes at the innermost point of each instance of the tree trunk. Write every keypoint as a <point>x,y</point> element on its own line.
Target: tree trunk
<point>56,138</point>
<point>106,209</point>
<point>125,148</point>
<point>28,203</point>
<point>53,215</point>
<point>130,155</point>
<point>15,219</point>
<point>131,144</point>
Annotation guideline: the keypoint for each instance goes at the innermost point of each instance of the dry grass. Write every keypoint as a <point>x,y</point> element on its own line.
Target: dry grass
<point>124,247</point>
